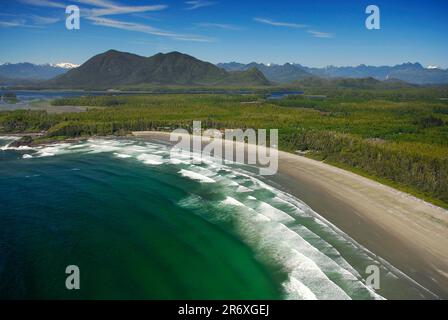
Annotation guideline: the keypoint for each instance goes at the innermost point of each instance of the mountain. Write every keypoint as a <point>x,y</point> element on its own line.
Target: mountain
<point>352,83</point>
<point>30,71</point>
<point>106,69</point>
<point>410,72</point>
<point>29,83</point>
<point>114,68</point>
<point>65,65</point>
<point>276,73</point>
<point>418,74</point>
<point>413,73</point>
<point>248,77</point>
<point>233,66</point>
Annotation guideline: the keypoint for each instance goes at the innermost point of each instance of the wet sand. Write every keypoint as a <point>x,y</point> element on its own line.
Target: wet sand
<point>409,233</point>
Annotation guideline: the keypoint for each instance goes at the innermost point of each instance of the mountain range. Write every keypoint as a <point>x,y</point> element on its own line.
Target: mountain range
<point>30,71</point>
<point>276,73</point>
<point>114,68</point>
<point>413,73</point>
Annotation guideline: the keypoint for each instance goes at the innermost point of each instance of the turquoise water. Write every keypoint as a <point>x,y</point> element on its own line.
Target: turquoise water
<point>143,224</point>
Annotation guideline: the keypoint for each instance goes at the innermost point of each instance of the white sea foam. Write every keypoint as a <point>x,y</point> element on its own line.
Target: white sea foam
<point>325,248</point>
<point>232,201</point>
<point>196,176</point>
<point>273,213</point>
<point>52,150</point>
<point>178,161</point>
<point>273,239</point>
<point>21,148</point>
<point>297,290</point>
<point>76,146</point>
<point>122,155</point>
<point>313,274</point>
<point>103,147</point>
<point>150,159</point>
<point>210,171</point>
<point>8,138</point>
<point>243,189</point>
<point>254,215</point>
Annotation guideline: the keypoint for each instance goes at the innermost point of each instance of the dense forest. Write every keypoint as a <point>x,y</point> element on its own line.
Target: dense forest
<point>399,137</point>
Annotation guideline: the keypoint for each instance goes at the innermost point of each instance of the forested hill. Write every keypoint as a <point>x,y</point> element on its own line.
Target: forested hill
<point>115,68</point>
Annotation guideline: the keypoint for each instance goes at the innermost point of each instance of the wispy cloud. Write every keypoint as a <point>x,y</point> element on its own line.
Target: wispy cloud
<point>40,20</point>
<point>319,34</point>
<point>12,23</point>
<point>279,23</point>
<point>97,3</point>
<point>314,33</point>
<point>196,4</point>
<point>44,3</point>
<point>8,20</point>
<point>17,24</point>
<point>98,7</point>
<point>132,26</point>
<point>218,26</point>
<point>106,8</point>
<point>121,10</point>
<point>97,12</point>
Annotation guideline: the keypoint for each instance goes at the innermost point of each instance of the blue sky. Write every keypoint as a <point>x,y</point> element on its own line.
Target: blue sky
<point>313,33</point>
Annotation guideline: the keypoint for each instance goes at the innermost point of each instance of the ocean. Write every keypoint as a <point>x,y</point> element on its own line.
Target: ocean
<point>141,224</point>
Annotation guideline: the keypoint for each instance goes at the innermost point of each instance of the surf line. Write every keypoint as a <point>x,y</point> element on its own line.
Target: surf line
<point>228,147</point>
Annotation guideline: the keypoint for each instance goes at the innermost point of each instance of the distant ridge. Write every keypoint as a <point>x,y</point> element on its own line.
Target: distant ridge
<point>352,83</point>
<point>30,71</point>
<point>114,68</point>
<point>276,73</point>
<point>413,73</point>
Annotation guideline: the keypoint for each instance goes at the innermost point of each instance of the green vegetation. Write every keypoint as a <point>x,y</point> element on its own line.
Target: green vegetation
<point>400,137</point>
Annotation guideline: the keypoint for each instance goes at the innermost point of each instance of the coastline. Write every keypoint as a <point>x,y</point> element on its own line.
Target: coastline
<point>409,233</point>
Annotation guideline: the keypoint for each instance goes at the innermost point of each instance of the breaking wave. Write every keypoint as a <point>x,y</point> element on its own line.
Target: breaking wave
<point>320,261</point>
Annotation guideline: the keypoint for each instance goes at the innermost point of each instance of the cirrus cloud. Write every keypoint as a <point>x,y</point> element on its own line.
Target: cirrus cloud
<point>196,4</point>
<point>319,34</point>
<point>280,24</point>
<point>314,33</point>
<point>97,12</point>
<point>132,26</point>
<point>218,26</point>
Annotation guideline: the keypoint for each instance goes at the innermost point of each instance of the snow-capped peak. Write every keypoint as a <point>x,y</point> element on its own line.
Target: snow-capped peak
<point>65,65</point>
<point>432,67</point>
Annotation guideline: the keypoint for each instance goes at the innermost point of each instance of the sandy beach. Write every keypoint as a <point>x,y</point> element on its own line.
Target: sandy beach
<point>409,233</point>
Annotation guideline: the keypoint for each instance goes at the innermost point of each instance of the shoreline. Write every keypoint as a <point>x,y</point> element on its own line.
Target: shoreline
<point>409,233</point>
